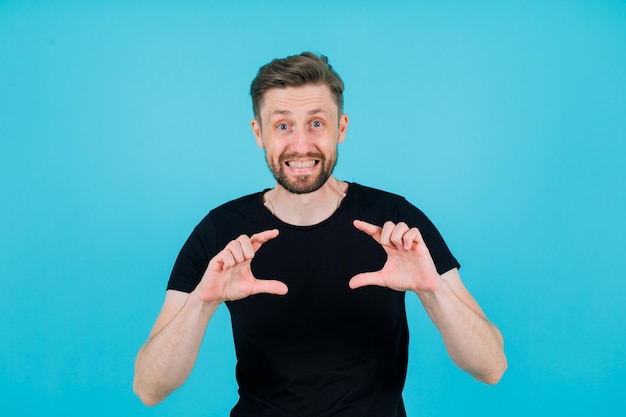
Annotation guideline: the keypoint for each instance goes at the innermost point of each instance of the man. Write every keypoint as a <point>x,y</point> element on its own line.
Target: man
<point>314,273</point>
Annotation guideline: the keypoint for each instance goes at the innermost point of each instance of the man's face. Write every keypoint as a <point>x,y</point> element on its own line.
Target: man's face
<point>300,129</point>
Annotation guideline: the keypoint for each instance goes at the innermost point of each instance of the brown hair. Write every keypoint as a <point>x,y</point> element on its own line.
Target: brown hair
<point>296,71</point>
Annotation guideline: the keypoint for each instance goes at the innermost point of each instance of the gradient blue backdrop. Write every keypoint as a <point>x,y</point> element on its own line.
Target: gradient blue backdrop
<point>123,123</point>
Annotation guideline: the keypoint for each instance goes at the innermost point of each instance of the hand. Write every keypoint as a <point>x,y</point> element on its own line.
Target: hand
<point>229,277</point>
<point>409,266</point>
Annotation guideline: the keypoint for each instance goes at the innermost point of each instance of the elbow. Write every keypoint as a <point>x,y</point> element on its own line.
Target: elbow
<point>147,401</point>
<point>491,379</point>
<point>499,365</point>
<point>145,397</point>
<point>495,373</point>
<point>144,387</point>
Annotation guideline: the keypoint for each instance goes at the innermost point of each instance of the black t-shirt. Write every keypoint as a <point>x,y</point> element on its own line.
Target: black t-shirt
<point>323,349</point>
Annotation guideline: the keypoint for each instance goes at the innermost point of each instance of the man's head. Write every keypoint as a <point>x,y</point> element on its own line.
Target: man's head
<point>296,71</point>
<point>299,120</point>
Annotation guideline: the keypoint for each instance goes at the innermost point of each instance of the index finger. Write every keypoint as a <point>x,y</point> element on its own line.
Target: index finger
<point>371,229</point>
<point>260,238</point>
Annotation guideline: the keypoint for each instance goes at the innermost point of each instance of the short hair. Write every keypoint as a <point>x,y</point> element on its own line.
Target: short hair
<point>296,71</point>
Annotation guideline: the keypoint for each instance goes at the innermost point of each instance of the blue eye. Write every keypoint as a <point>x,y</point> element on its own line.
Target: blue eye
<point>283,126</point>
<point>316,123</point>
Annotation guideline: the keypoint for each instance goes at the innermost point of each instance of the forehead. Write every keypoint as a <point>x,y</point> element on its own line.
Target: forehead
<point>295,100</point>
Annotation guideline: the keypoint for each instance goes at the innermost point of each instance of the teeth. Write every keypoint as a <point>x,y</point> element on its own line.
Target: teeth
<point>301,164</point>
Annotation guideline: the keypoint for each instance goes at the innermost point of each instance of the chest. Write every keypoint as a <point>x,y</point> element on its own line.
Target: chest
<point>317,266</point>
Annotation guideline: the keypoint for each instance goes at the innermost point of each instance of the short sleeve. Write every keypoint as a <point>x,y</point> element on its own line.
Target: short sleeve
<point>439,250</point>
<point>193,258</point>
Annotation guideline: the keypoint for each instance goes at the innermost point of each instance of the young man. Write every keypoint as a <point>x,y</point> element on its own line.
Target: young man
<point>314,274</point>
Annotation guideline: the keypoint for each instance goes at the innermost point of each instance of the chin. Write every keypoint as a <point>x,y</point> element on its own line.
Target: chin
<point>303,184</point>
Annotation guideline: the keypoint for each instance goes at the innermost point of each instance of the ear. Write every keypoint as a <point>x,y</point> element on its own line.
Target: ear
<point>256,129</point>
<point>343,127</point>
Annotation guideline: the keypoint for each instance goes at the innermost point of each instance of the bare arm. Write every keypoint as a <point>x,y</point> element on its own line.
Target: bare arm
<point>167,358</point>
<point>473,343</point>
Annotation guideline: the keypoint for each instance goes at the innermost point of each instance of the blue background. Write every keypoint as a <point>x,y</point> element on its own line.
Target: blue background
<point>123,123</point>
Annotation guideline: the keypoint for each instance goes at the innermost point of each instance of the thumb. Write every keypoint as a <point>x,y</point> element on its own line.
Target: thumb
<point>364,279</point>
<point>269,287</point>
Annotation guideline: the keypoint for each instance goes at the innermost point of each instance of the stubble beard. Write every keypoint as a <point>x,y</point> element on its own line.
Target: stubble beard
<point>303,184</point>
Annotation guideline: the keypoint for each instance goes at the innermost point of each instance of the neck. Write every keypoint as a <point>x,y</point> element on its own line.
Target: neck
<point>306,209</point>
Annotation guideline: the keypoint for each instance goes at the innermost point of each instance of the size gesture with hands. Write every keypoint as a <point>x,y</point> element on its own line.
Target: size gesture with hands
<point>409,266</point>
<point>229,277</point>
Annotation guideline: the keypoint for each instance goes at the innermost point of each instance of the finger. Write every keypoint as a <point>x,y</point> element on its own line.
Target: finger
<point>246,247</point>
<point>397,235</point>
<point>258,239</point>
<point>413,238</point>
<point>371,229</point>
<point>418,240</point>
<point>410,237</point>
<point>269,287</point>
<point>226,258</point>
<point>364,279</point>
<point>385,237</point>
<point>236,250</point>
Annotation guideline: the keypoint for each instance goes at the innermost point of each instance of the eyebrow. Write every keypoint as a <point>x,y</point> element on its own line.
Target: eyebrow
<point>287,112</point>
<point>280,112</point>
<point>319,110</point>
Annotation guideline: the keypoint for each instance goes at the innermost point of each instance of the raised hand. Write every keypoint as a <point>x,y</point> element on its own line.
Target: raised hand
<point>229,277</point>
<point>409,266</point>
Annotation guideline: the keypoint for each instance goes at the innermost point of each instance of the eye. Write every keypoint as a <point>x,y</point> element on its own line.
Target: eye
<point>317,123</point>
<point>282,126</point>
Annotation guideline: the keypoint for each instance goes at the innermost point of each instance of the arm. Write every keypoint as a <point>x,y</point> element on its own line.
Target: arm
<point>167,358</point>
<point>473,343</point>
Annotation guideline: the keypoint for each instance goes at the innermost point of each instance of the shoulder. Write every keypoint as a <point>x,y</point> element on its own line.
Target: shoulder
<point>239,207</point>
<point>247,201</point>
<point>380,201</point>
<point>368,194</point>
<point>244,215</point>
<point>211,234</point>
<point>377,206</point>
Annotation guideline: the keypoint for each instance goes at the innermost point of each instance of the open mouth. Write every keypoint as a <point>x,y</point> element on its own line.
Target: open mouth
<point>309,163</point>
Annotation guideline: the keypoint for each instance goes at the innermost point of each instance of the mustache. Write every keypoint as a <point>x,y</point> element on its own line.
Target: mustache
<point>296,155</point>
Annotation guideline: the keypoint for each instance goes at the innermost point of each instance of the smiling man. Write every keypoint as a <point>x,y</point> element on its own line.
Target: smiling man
<point>314,273</point>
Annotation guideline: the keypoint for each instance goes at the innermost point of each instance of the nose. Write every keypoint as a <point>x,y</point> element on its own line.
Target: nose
<point>302,139</point>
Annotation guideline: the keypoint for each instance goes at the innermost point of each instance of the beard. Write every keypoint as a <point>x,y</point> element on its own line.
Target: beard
<point>303,184</point>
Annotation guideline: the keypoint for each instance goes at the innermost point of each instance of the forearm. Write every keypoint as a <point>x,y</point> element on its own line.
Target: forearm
<point>472,342</point>
<point>166,360</point>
